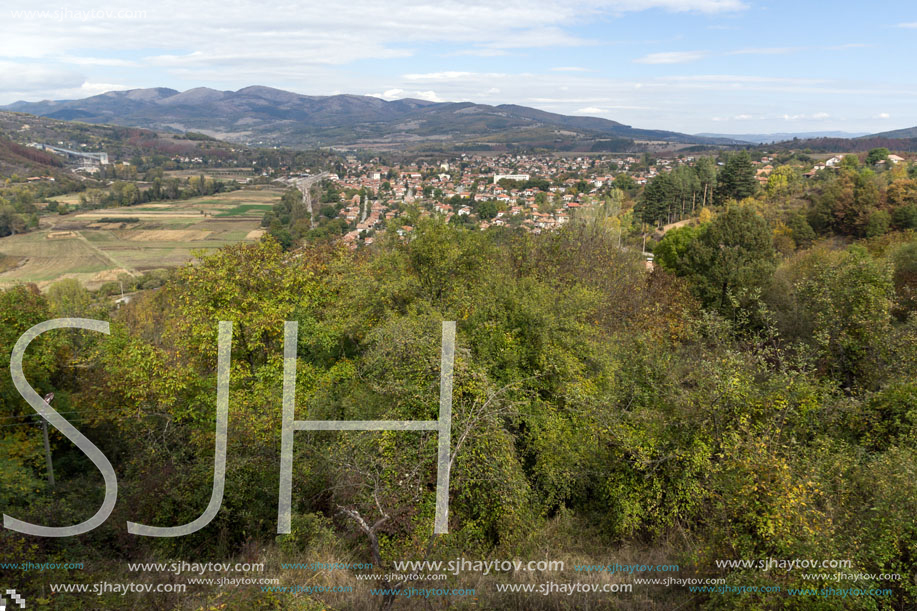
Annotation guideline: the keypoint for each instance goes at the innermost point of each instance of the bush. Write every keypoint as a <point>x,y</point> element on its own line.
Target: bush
<point>878,224</point>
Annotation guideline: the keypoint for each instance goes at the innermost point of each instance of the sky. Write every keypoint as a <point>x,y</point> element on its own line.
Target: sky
<point>725,66</point>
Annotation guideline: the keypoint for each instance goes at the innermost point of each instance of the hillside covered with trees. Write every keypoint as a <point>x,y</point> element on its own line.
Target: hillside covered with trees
<point>753,397</point>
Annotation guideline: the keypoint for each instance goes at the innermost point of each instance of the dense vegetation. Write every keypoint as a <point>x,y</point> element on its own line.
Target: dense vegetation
<point>753,397</point>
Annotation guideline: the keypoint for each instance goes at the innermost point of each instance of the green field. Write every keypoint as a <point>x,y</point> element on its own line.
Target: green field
<point>247,210</point>
<point>166,235</point>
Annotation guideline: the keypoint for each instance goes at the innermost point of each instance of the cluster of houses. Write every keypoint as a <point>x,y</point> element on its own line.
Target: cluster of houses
<point>535,192</point>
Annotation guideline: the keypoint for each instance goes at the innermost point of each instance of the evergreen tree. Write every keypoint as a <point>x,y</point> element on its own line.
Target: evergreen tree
<point>737,180</point>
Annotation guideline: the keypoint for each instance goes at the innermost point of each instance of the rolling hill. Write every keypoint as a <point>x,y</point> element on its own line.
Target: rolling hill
<point>898,134</point>
<point>267,116</point>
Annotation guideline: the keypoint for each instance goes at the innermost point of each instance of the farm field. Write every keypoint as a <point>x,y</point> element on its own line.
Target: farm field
<point>98,246</point>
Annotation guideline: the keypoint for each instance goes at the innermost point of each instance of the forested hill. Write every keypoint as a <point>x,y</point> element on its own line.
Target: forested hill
<point>752,404</point>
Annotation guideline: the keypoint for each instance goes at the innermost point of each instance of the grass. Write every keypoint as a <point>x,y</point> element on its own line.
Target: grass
<point>95,253</point>
<point>244,209</point>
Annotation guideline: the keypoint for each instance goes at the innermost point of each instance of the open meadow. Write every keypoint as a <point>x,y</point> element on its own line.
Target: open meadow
<point>97,246</point>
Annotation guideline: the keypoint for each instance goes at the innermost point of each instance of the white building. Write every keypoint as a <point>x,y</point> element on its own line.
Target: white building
<point>519,177</point>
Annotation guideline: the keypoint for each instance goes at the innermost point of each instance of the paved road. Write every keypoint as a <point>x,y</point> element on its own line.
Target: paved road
<point>304,184</point>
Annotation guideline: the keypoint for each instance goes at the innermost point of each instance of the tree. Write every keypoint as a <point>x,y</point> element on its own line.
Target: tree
<point>850,162</point>
<point>673,246</point>
<point>846,301</point>
<point>781,181</point>
<point>658,196</point>
<point>731,259</point>
<point>801,230</point>
<point>876,155</point>
<point>625,182</point>
<point>904,261</point>
<point>487,210</point>
<point>687,185</point>
<point>706,174</point>
<point>10,221</point>
<point>905,217</point>
<point>737,180</point>
<point>878,224</point>
<point>68,298</point>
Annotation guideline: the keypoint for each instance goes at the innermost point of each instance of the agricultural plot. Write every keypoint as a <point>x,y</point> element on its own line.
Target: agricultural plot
<point>100,245</point>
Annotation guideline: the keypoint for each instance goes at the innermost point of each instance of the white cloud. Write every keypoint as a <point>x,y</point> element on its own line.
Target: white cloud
<point>389,94</point>
<point>818,116</point>
<point>742,117</point>
<point>882,115</point>
<point>569,69</point>
<point>89,88</point>
<point>910,25</point>
<point>18,80</point>
<point>482,52</point>
<point>429,96</point>
<point>701,6</point>
<point>400,94</point>
<point>97,61</point>
<point>672,57</point>
<point>589,110</point>
<point>214,36</point>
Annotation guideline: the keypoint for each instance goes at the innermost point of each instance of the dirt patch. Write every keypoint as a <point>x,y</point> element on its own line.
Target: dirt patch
<point>7,262</point>
<point>169,235</point>
<point>60,235</point>
<point>255,234</point>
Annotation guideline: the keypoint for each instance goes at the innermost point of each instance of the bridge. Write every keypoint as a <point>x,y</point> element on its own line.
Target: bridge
<point>88,158</point>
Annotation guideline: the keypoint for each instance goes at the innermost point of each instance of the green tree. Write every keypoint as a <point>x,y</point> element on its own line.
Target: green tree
<point>658,198</point>
<point>782,181</point>
<point>878,224</point>
<point>625,182</point>
<point>876,155</point>
<point>731,259</point>
<point>846,300</point>
<point>671,249</point>
<point>737,179</point>
<point>802,232</point>
<point>706,174</point>
<point>486,210</point>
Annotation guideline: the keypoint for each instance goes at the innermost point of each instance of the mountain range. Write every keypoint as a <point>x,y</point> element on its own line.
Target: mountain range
<point>265,116</point>
<point>784,136</point>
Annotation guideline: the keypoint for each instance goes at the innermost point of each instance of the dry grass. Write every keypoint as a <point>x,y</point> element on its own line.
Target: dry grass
<point>167,235</point>
<point>560,539</point>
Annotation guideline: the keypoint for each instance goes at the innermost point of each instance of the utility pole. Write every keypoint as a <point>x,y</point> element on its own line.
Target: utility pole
<point>44,428</point>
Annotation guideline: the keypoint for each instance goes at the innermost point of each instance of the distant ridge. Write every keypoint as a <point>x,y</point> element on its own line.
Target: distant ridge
<point>268,116</point>
<point>906,133</point>
<point>783,136</point>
